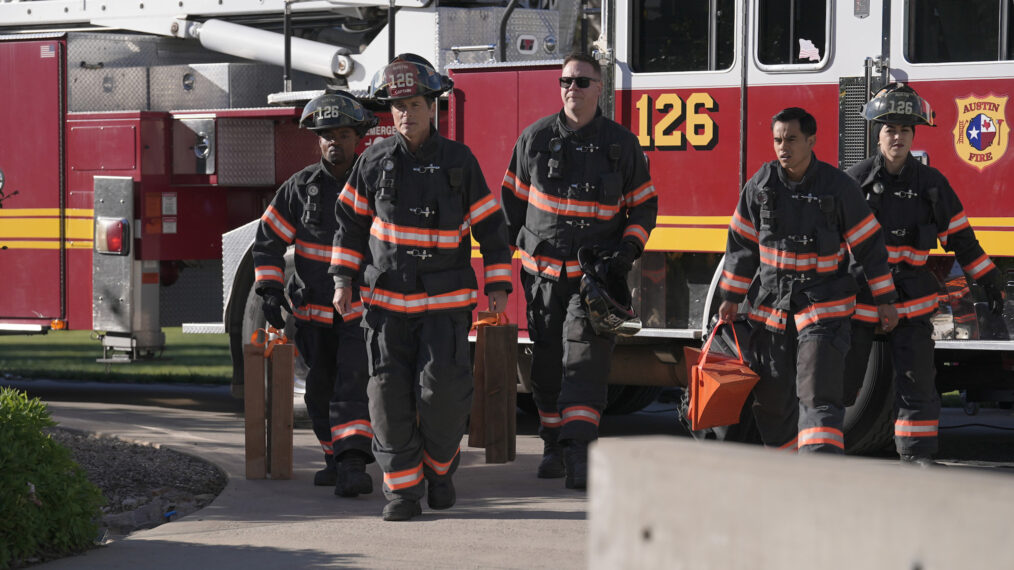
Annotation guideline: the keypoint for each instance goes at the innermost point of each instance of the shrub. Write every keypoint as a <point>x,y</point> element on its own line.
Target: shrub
<point>48,508</point>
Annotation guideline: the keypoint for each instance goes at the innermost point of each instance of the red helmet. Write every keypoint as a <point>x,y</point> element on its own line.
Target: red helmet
<point>408,75</point>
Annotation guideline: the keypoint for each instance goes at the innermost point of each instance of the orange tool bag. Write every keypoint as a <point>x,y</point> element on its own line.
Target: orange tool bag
<point>718,384</point>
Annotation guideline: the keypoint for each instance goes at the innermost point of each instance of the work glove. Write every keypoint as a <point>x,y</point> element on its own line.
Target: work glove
<point>995,295</point>
<point>274,301</point>
<point>621,258</point>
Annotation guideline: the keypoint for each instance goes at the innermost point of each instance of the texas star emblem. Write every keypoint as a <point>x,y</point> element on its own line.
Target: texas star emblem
<point>980,133</point>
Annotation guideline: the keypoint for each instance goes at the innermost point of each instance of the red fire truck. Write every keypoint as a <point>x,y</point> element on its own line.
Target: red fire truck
<point>697,81</point>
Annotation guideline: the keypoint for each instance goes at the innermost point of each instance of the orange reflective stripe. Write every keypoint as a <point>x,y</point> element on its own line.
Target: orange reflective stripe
<point>351,198</point>
<point>498,272</point>
<point>349,429</point>
<point>580,413</point>
<point>792,445</point>
<point>314,251</point>
<point>413,236</point>
<point>437,466</point>
<point>640,195</point>
<point>734,283</point>
<point>822,436</point>
<point>743,227</point>
<point>916,428</point>
<point>550,420</point>
<point>346,258</point>
<point>326,446</point>
<point>768,316</point>
<point>861,231</point>
<point>403,479</point>
<point>637,232</point>
<point>981,266</point>
<point>825,310</point>
<point>549,266</point>
<point>278,224</point>
<point>269,273</point>
<point>482,209</point>
<point>573,208</point>
<point>415,303</point>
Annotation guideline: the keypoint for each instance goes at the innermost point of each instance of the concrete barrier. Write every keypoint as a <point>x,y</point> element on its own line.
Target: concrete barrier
<point>662,502</point>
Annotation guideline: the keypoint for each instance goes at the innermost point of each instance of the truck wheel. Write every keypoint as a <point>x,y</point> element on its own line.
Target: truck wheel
<point>249,319</point>
<point>630,399</point>
<point>869,423</point>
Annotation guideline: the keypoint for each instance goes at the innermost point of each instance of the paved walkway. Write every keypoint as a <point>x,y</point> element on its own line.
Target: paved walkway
<point>505,517</point>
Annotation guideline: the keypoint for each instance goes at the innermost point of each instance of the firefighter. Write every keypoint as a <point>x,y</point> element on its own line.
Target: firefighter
<point>406,216</point>
<point>332,345</point>
<point>575,179</point>
<point>795,220</point>
<point>916,207</point>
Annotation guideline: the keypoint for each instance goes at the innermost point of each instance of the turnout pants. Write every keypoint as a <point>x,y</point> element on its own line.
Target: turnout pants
<point>916,399</point>
<point>336,380</point>
<point>798,399</point>
<point>570,362</point>
<point>420,395</point>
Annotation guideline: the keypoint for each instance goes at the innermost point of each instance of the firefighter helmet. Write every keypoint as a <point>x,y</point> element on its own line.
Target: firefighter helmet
<point>606,296</point>
<point>898,104</point>
<point>408,75</point>
<point>336,110</point>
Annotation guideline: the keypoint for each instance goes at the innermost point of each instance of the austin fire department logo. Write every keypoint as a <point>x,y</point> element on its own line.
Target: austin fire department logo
<point>980,134</point>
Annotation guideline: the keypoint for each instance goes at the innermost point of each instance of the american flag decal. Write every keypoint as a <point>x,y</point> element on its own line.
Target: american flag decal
<point>47,51</point>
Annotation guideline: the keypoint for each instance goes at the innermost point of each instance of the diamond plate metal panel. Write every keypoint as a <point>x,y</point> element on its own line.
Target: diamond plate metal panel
<point>113,299</point>
<point>213,86</point>
<point>112,89</point>
<point>480,26</point>
<point>195,297</point>
<point>246,152</point>
<point>235,245</point>
<point>852,137</point>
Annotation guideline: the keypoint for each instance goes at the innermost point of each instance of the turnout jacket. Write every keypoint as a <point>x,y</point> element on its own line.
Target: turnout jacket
<point>301,213</point>
<point>565,189</point>
<point>917,208</point>
<point>794,238</point>
<point>405,223</point>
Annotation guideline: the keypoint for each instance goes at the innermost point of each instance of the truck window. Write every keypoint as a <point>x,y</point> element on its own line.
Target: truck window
<point>792,32</point>
<point>940,31</point>
<point>682,35</point>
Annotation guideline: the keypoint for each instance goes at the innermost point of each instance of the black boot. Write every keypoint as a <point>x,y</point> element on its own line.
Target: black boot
<point>352,480</point>
<point>401,510</point>
<point>575,458</point>
<point>328,476</point>
<point>551,466</point>
<point>440,494</point>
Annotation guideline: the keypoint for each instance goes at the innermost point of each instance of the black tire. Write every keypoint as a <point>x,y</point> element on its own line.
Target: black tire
<point>248,319</point>
<point>621,400</point>
<point>630,399</point>
<point>869,423</point>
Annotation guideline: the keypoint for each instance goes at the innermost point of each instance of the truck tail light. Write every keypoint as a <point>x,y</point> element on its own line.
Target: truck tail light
<point>112,236</point>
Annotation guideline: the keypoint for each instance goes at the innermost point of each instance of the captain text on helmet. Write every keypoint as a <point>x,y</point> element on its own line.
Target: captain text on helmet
<point>331,344</point>
<point>917,208</point>
<point>575,179</point>
<point>407,215</point>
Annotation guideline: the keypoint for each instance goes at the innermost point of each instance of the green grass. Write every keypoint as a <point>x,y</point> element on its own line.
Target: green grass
<point>71,355</point>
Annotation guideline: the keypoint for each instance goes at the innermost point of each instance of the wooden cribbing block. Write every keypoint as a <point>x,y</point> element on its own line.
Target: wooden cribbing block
<point>280,382</point>
<point>494,406</point>
<point>267,408</point>
<point>254,399</point>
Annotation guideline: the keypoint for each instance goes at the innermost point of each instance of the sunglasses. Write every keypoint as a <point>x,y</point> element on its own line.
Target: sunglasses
<point>582,82</point>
